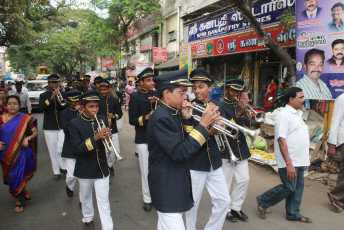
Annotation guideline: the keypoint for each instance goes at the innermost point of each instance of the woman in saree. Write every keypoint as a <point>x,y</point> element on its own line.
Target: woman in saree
<point>271,92</point>
<point>129,89</point>
<point>18,156</point>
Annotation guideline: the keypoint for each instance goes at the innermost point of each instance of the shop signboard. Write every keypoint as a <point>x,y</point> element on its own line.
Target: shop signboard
<point>109,62</point>
<point>146,44</point>
<point>139,67</point>
<point>320,44</point>
<point>266,12</point>
<point>202,49</point>
<point>183,57</point>
<point>159,54</point>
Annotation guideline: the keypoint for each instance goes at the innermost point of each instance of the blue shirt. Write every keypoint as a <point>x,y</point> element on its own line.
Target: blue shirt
<point>333,26</point>
<point>311,91</point>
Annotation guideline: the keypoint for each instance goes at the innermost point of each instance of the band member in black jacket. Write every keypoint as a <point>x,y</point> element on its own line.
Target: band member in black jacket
<point>109,107</point>
<point>91,164</point>
<point>141,106</point>
<point>68,114</point>
<point>53,132</point>
<point>205,167</point>
<point>170,147</point>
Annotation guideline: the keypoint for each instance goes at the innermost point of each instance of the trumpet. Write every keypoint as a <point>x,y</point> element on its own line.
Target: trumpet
<point>107,142</point>
<point>258,116</point>
<point>59,97</point>
<point>222,144</point>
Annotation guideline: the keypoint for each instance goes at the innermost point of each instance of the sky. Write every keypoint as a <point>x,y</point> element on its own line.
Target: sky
<point>83,4</point>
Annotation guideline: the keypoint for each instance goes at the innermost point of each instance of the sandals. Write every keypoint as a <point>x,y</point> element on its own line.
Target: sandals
<point>18,208</point>
<point>262,213</point>
<point>302,220</point>
<point>334,205</point>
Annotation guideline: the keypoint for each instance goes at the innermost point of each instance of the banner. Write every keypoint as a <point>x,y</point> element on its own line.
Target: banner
<point>159,54</point>
<point>266,12</point>
<point>320,44</point>
<point>109,62</point>
<point>183,57</point>
<point>146,44</point>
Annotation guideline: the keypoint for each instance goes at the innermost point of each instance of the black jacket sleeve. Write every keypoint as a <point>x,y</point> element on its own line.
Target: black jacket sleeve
<point>80,145</point>
<point>134,114</point>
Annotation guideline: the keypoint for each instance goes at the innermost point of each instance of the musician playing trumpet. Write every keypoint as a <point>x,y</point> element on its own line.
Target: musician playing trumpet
<point>233,108</point>
<point>205,166</point>
<point>91,166</point>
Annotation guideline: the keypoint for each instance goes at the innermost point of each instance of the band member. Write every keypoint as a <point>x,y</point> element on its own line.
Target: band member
<point>205,167</point>
<point>96,82</point>
<point>109,107</point>
<point>233,110</point>
<point>79,84</point>
<point>85,84</point>
<point>170,147</point>
<point>53,132</point>
<point>69,86</point>
<point>67,115</point>
<point>91,167</point>
<point>141,106</point>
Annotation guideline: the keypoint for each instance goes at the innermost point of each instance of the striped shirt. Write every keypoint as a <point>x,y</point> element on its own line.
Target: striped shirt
<point>311,91</point>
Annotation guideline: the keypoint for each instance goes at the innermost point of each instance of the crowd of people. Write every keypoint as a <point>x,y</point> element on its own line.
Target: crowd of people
<point>177,146</point>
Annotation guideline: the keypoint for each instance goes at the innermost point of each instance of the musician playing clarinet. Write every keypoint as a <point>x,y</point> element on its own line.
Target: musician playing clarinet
<point>233,108</point>
<point>52,127</point>
<point>205,167</point>
<point>91,166</point>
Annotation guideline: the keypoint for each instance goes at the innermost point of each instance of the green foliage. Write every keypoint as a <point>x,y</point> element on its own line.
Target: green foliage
<point>286,21</point>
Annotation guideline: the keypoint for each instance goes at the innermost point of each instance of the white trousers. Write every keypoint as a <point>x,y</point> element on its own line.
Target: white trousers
<point>70,178</point>
<point>111,158</point>
<point>120,124</point>
<point>241,175</point>
<point>170,221</point>
<point>101,187</point>
<point>217,189</point>
<point>54,140</point>
<point>142,150</point>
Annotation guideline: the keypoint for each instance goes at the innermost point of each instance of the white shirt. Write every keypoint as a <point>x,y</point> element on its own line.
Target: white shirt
<point>314,13</point>
<point>24,89</point>
<point>311,91</point>
<point>337,125</point>
<point>24,100</point>
<point>290,126</point>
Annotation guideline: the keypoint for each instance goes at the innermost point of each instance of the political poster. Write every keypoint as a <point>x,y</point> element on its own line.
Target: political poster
<point>320,48</point>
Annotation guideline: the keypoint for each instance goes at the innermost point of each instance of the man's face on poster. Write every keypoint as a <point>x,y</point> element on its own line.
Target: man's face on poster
<point>311,5</point>
<point>314,66</point>
<point>338,51</point>
<point>337,13</point>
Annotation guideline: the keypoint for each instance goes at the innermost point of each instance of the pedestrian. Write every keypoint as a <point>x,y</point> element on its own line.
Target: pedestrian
<point>3,101</point>
<point>25,104</point>
<point>271,93</point>
<point>205,166</point>
<point>86,84</point>
<point>235,159</point>
<point>18,146</point>
<point>291,145</point>
<point>110,107</point>
<point>141,107</point>
<point>336,142</point>
<point>170,147</point>
<point>52,126</point>
<point>91,166</point>
<point>68,114</point>
<point>129,89</point>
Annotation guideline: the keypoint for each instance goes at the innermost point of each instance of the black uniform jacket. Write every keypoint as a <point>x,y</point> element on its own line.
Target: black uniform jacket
<point>110,105</point>
<point>209,155</point>
<point>238,145</point>
<point>67,115</point>
<point>52,110</point>
<point>120,97</point>
<point>170,147</point>
<point>139,107</point>
<point>91,162</point>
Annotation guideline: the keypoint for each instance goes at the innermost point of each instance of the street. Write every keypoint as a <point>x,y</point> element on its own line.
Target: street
<point>50,208</point>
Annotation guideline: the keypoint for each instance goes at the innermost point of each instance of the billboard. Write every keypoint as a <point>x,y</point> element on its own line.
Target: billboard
<point>183,57</point>
<point>159,54</point>
<point>320,48</point>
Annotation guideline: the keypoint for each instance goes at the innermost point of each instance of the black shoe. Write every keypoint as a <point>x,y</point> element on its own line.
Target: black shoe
<point>80,205</point>
<point>89,226</point>
<point>147,207</point>
<point>112,171</point>
<point>63,171</point>
<point>239,215</point>
<point>231,218</point>
<point>69,192</point>
<point>57,177</point>
<point>136,154</point>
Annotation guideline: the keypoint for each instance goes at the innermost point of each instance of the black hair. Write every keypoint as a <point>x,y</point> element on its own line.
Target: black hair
<point>291,93</point>
<point>283,84</point>
<point>3,90</point>
<point>311,52</point>
<point>169,88</point>
<point>338,4</point>
<point>336,42</point>
<point>130,81</point>
<point>13,96</point>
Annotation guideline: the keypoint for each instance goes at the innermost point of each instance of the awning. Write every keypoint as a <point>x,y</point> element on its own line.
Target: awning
<point>174,62</point>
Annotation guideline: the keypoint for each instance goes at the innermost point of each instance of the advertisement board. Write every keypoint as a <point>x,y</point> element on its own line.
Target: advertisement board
<point>109,62</point>
<point>159,54</point>
<point>183,57</point>
<point>320,48</point>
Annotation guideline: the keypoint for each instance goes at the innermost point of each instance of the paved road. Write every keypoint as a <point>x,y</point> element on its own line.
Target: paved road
<point>50,209</point>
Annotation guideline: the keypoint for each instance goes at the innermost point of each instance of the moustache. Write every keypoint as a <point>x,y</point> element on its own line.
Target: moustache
<point>339,54</point>
<point>311,5</point>
<point>316,72</point>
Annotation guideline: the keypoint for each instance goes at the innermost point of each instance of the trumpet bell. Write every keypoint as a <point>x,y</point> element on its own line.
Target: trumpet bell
<point>260,117</point>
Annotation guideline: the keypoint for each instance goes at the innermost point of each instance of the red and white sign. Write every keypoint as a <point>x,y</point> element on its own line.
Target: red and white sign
<point>159,54</point>
<point>109,62</point>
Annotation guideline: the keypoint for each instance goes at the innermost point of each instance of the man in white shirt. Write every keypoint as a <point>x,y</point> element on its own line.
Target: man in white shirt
<point>311,84</point>
<point>25,104</point>
<point>336,141</point>
<point>292,156</point>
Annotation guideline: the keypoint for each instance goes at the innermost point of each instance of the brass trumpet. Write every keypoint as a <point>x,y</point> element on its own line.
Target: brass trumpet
<point>222,144</point>
<point>107,142</point>
<point>259,116</point>
<point>59,97</point>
